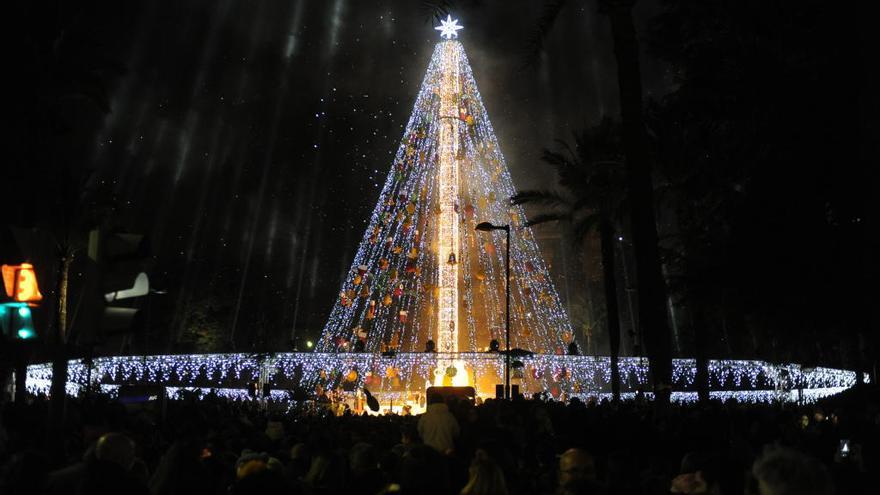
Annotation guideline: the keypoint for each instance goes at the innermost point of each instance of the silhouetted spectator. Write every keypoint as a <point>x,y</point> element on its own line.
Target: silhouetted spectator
<point>326,474</point>
<point>109,472</point>
<point>438,427</point>
<point>364,466</point>
<point>788,472</point>
<point>485,478</point>
<point>577,473</point>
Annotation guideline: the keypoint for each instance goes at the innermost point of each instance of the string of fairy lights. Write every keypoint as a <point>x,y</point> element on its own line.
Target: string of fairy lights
<point>391,298</point>
<point>400,376</point>
<point>422,269</point>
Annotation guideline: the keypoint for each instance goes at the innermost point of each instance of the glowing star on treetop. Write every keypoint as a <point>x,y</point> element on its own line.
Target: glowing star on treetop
<point>449,28</point>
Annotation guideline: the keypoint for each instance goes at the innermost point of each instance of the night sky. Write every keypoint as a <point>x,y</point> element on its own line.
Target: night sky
<point>249,140</point>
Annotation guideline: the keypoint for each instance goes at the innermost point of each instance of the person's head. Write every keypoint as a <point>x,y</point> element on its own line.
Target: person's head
<point>249,463</point>
<point>485,478</point>
<point>788,472</point>
<point>116,448</point>
<point>435,399</point>
<point>326,472</point>
<point>259,483</point>
<point>408,435</point>
<point>275,430</point>
<point>700,472</point>
<point>300,452</point>
<point>423,470</point>
<point>362,458</point>
<point>576,464</point>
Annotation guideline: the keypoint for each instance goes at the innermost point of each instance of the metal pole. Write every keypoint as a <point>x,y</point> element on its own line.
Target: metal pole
<point>507,316</point>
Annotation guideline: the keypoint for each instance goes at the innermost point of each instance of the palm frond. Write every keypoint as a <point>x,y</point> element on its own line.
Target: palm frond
<point>542,197</point>
<point>573,157</point>
<point>548,217</point>
<point>588,201</point>
<point>554,158</point>
<point>434,10</point>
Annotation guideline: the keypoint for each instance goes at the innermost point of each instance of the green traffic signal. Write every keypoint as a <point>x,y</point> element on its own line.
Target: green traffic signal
<point>26,333</point>
<point>16,320</point>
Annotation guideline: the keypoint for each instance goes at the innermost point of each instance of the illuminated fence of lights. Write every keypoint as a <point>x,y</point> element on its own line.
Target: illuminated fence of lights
<point>400,376</point>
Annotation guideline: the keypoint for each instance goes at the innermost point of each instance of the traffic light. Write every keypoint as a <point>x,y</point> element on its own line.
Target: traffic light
<point>17,321</point>
<point>20,282</point>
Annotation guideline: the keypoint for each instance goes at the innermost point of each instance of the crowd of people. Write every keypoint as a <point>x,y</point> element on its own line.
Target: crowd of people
<point>215,446</point>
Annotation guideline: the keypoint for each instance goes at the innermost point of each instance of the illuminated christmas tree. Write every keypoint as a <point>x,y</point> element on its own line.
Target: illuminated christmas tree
<point>422,272</point>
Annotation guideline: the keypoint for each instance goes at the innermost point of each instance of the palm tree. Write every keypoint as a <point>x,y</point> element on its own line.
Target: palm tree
<point>650,282</point>
<point>591,179</point>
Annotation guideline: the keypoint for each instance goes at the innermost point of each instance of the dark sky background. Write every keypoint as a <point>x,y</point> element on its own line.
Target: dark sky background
<point>249,140</point>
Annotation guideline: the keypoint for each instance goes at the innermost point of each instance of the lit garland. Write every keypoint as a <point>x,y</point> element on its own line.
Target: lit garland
<point>448,175</point>
<point>404,374</point>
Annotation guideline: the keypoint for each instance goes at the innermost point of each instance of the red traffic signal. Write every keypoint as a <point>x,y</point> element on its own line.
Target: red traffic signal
<point>20,282</point>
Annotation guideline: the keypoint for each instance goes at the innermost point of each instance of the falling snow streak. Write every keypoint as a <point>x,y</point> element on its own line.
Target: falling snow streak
<point>280,98</point>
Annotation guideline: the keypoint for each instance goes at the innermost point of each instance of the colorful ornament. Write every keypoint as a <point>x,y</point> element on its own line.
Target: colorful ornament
<point>469,210</point>
<point>372,380</point>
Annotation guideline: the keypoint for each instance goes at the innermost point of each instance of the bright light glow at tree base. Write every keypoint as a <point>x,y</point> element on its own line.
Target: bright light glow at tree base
<point>402,378</point>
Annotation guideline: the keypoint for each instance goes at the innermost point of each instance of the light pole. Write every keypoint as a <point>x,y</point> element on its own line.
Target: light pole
<point>486,227</point>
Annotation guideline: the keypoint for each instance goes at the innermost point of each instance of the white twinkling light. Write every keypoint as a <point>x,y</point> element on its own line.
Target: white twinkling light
<point>404,374</point>
<point>449,28</point>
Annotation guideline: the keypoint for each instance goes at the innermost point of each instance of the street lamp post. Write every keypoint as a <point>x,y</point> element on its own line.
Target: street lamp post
<point>486,227</point>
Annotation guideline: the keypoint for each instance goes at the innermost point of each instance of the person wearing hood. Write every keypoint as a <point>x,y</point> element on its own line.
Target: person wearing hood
<point>438,427</point>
